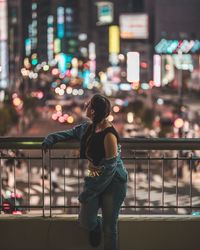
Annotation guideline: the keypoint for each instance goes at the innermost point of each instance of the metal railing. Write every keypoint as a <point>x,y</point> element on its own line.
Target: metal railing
<point>163,176</point>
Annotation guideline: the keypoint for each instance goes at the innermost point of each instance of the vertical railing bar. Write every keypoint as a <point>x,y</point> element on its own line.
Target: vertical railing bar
<point>149,182</point>
<point>50,184</point>
<point>64,184</point>
<point>78,178</point>
<point>190,162</point>
<point>29,165</point>
<point>15,177</point>
<point>1,196</point>
<point>43,163</point>
<point>135,191</point>
<point>177,158</point>
<point>163,183</point>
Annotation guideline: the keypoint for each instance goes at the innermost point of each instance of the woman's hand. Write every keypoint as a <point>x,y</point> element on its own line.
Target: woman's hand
<point>93,170</point>
<point>45,146</point>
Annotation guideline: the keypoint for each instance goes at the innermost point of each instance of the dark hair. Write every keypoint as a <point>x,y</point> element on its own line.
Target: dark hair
<point>102,107</point>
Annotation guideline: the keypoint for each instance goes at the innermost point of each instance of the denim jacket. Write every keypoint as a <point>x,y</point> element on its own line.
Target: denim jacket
<point>111,168</point>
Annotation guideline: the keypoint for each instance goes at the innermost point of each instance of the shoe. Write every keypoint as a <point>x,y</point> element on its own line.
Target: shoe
<point>95,235</point>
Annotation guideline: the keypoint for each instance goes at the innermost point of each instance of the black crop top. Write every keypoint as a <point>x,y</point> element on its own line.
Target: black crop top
<point>96,149</point>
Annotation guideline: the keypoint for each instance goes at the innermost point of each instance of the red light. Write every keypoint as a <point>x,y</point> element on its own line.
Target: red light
<point>144,65</point>
<point>40,95</point>
<point>18,196</point>
<point>54,117</point>
<point>68,73</point>
<point>61,119</point>
<point>16,212</point>
<point>6,206</point>
<point>151,83</point>
<point>55,71</point>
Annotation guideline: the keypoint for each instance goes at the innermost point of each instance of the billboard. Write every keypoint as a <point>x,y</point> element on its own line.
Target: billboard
<point>134,26</point>
<point>104,12</point>
<point>114,41</point>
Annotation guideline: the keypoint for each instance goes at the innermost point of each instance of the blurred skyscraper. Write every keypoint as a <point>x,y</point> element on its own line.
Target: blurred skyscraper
<point>41,30</point>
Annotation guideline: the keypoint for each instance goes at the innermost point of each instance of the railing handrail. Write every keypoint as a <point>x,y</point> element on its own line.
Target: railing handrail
<point>128,143</point>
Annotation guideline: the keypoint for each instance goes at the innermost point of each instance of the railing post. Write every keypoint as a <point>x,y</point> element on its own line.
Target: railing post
<point>163,183</point>
<point>1,196</point>
<point>50,187</point>
<point>177,175</point>
<point>43,164</point>
<point>149,183</point>
<point>29,170</point>
<point>191,165</point>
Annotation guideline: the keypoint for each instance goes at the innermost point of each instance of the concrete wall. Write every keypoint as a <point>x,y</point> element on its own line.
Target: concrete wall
<point>135,233</point>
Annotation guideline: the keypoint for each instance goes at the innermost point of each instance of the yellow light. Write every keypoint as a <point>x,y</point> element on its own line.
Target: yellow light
<point>27,63</point>
<point>17,101</point>
<point>70,119</point>
<point>178,123</point>
<point>114,39</point>
<point>75,62</point>
<point>46,67</point>
<point>34,56</point>
<point>135,85</point>
<point>103,77</point>
<point>58,108</point>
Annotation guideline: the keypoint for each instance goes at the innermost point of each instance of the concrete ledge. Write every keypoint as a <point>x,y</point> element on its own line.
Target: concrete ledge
<point>135,233</point>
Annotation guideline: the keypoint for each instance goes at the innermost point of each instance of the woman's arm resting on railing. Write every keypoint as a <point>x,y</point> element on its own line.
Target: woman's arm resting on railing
<point>74,133</point>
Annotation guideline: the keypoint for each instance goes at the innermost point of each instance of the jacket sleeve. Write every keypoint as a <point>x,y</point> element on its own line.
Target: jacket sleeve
<point>74,133</point>
<point>95,185</point>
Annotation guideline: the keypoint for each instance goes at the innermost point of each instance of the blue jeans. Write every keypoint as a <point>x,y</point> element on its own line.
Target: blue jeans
<point>110,201</point>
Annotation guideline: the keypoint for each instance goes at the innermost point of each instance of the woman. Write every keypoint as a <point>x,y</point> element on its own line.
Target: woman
<point>105,186</point>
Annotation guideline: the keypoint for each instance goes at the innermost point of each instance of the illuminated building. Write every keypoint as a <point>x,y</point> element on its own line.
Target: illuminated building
<point>178,45</point>
<point>4,83</point>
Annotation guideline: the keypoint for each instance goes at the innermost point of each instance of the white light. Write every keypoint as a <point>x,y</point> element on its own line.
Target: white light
<point>130,117</point>
<point>157,70</point>
<point>75,92</point>
<point>2,95</point>
<point>125,86</point>
<point>92,51</point>
<point>133,67</point>
<point>160,101</point>
<point>63,86</point>
<point>121,57</point>
<point>145,86</point>
<point>61,92</point>
<point>119,102</point>
<point>69,90</point>
<point>57,90</point>
<point>110,118</point>
<point>81,92</point>
<point>82,37</point>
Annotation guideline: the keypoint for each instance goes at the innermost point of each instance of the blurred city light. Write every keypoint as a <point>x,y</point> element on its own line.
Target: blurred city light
<point>133,67</point>
<point>178,123</point>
